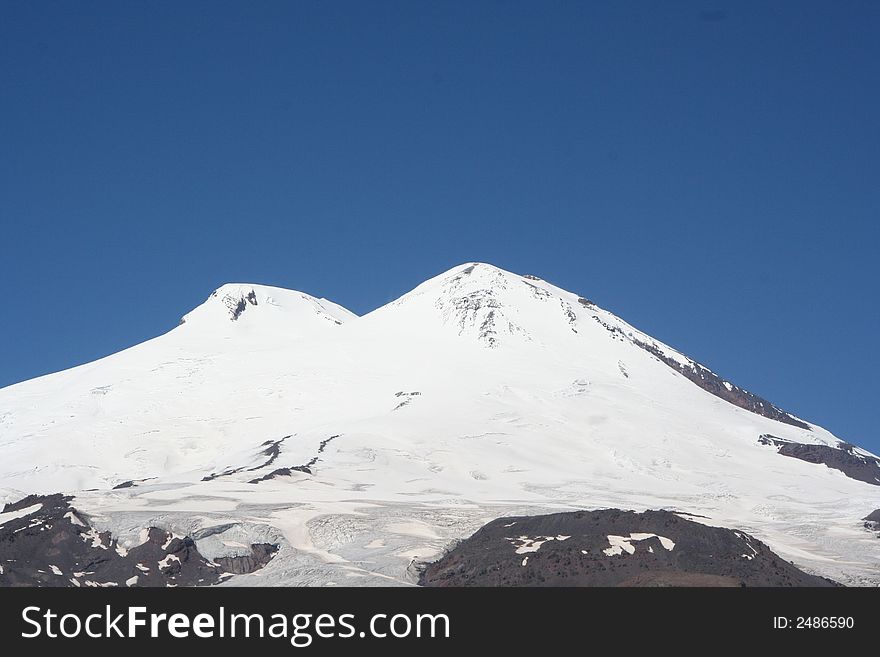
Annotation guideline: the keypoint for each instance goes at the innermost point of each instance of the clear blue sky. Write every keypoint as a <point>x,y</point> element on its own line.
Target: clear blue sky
<point>710,171</point>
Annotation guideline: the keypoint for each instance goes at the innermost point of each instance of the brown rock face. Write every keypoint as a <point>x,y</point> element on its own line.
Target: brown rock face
<point>261,554</point>
<point>612,548</point>
<point>54,545</point>
<point>844,457</point>
<point>711,382</point>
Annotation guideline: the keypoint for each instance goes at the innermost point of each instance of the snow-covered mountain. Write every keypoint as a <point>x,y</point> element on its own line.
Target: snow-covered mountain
<point>360,444</point>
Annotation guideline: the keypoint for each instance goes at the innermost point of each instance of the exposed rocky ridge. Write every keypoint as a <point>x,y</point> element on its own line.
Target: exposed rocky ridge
<point>702,375</point>
<point>407,398</point>
<point>281,472</point>
<point>845,458</point>
<point>711,382</point>
<point>612,548</point>
<point>261,554</point>
<point>272,449</point>
<point>238,305</point>
<point>131,483</point>
<point>44,541</point>
<point>872,521</point>
<point>479,309</point>
<point>305,467</point>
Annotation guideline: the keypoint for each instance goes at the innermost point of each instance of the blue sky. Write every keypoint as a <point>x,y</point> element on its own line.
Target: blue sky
<point>706,170</point>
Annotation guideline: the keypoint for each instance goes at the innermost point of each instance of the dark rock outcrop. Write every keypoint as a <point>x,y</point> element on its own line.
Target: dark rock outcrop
<point>281,472</point>
<point>131,483</point>
<point>612,548</point>
<point>844,457</point>
<point>261,554</point>
<point>407,398</point>
<point>54,545</point>
<point>701,375</point>
<point>305,467</point>
<point>711,382</point>
<point>238,306</point>
<point>272,451</point>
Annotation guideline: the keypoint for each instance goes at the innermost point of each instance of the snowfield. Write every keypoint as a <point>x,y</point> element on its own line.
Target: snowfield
<point>380,440</point>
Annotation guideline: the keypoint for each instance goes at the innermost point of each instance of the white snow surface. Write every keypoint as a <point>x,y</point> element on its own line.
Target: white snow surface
<point>21,513</point>
<point>526,403</point>
<point>621,544</point>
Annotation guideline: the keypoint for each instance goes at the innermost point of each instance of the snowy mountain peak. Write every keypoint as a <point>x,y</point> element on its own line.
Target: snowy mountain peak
<point>493,306</point>
<point>236,297</point>
<point>266,306</point>
<point>472,274</point>
<point>497,308</point>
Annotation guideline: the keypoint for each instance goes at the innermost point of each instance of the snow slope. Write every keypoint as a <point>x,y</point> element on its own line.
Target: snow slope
<point>477,394</point>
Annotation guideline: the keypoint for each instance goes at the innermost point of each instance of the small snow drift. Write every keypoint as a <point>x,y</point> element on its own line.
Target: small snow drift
<point>612,548</point>
<point>44,541</point>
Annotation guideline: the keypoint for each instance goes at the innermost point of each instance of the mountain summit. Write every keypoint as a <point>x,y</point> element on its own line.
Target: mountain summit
<point>360,444</point>
<point>489,305</point>
<point>274,307</point>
